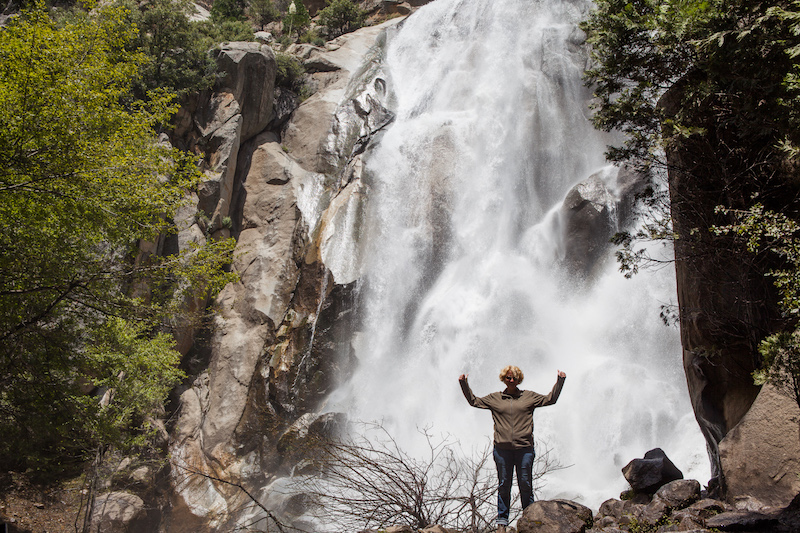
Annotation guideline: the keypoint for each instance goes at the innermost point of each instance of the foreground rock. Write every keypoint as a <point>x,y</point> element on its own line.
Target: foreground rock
<point>677,506</point>
<point>117,511</point>
<point>648,474</point>
<point>555,516</point>
<point>760,456</point>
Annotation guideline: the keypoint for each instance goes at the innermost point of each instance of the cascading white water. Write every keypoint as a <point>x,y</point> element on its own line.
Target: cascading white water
<point>463,248</point>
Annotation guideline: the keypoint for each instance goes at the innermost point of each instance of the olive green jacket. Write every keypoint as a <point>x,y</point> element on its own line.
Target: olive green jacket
<point>513,414</point>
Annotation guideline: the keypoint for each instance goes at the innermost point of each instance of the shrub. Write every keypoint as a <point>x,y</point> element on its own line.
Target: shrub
<point>214,33</point>
<point>341,16</point>
<point>227,10</point>
<point>289,73</point>
<point>311,36</point>
<point>262,12</point>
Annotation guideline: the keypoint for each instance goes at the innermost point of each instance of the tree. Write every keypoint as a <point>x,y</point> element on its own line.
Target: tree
<point>82,183</point>
<point>176,56</point>
<point>262,12</point>
<point>227,10</point>
<point>341,16</point>
<point>709,91</point>
<point>713,77</point>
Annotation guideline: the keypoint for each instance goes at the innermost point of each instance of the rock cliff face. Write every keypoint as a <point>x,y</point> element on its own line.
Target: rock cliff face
<point>290,192</point>
<point>727,305</point>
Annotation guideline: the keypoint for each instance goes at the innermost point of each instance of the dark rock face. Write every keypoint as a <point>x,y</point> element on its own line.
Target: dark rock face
<point>727,305</point>
<point>652,472</point>
<point>742,521</point>
<point>593,211</point>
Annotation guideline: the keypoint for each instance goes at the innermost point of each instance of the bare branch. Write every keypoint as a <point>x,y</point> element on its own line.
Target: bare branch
<point>366,480</point>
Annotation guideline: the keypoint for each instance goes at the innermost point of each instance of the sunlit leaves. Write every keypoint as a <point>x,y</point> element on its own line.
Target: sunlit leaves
<point>83,181</point>
<point>135,371</point>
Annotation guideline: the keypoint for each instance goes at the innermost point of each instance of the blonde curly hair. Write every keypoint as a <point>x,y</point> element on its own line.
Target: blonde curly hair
<point>515,371</point>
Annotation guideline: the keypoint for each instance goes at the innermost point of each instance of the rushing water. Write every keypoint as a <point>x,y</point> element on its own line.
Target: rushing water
<point>464,270</point>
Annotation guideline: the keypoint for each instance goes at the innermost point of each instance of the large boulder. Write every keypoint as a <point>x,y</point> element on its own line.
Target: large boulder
<point>115,511</point>
<point>648,474</point>
<point>555,516</point>
<point>593,211</point>
<point>249,75</point>
<point>679,493</point>
<point>590,220</point>
<point>761,454</point>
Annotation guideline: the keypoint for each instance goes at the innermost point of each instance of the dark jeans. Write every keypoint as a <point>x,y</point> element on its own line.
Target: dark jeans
<point>507,461</point>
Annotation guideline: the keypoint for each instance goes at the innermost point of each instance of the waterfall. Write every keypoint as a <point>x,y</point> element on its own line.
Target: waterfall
<point>464,269</point>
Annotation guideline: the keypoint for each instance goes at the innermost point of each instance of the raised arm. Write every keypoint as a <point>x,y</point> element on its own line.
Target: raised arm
<point>552,398</point>
<point>473,400</point>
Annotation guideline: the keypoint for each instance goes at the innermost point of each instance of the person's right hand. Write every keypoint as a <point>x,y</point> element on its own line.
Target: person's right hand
<point>463,377</point>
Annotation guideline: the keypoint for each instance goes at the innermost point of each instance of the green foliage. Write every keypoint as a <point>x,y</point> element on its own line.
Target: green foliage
<point>227,10</point>
<point>765,230</point>
<point>781,355</point>
<point>215,32</point>
<point>712,78</point>
<point>297,18</point>
<point>289,72</point>
<point>136,371</point>
<point>82,182</point>
<point>311,36</point>
<point>176,52</point>
<point>262,12</point>
<point>733,60</point>
<point>341,16</point>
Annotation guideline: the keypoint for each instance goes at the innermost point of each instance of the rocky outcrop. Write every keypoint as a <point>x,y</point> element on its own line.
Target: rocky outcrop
<point>216,124</point>
<point>681,506</point>
<point>760,456</point>
<point>279,341</point>
<point>727,305</point>
<point>593,211</point>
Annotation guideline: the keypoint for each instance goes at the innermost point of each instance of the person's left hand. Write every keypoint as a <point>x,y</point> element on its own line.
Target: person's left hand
<point>561,374</point>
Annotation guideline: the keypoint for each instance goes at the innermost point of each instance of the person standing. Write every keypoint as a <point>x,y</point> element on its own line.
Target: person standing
<point>512,413</point>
